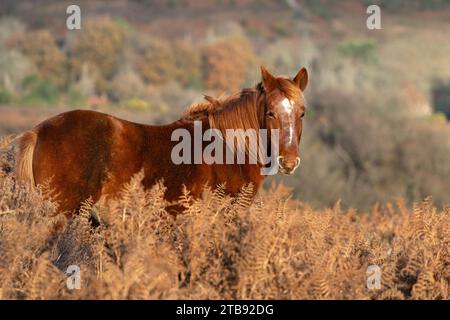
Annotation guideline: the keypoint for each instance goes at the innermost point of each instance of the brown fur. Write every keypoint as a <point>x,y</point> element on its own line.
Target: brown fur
<point>90,154</point>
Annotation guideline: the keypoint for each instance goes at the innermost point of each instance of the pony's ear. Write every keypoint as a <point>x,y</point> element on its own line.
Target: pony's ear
<point>215,102</point>
<point>268,80</point>
<point>301,79</point>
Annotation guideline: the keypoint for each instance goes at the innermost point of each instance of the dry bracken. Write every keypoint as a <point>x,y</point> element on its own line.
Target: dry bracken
<point>221,248</point>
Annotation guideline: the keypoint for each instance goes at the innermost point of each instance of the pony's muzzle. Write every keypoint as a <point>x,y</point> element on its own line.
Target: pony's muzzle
<point>288,166</point>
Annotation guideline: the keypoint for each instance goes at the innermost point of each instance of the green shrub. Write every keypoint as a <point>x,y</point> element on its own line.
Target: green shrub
<point>75,98</point>
<point>136,104</point>
<point>5,96</point>
<point>363,50</point>
<point>39,92</point>
<point>439,117</point>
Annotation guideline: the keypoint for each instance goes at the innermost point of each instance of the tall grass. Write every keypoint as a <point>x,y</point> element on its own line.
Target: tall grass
<point>273,248</point>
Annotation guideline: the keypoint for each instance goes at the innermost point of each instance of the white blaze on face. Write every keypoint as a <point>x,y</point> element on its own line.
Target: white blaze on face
<point>288,107</point>
<point>291,134</point>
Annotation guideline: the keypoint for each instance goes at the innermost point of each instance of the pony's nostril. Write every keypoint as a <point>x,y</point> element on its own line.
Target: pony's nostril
<point>289,165</point>
<point>297,162</point>
<point>280,161</point>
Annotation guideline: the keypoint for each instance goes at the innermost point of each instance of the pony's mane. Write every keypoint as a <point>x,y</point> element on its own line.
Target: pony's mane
<point>243,110</point>
<point>238,111</point>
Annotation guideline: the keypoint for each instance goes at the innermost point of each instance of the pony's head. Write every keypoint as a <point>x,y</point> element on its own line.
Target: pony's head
<point>284,110</point>
<point>276,103</point>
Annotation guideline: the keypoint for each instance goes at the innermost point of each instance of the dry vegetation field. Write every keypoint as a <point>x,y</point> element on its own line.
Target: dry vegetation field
<point>221,248</point>
<point>373,133</point>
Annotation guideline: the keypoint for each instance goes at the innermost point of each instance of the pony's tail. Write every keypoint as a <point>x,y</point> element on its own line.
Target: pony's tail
<point>24,157</point>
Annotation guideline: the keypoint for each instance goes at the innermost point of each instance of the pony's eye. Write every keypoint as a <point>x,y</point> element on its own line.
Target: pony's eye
<point>270,114</point>
<point>303,114</point>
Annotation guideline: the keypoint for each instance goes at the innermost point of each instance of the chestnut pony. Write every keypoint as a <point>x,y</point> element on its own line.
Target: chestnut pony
<point>90,154</point>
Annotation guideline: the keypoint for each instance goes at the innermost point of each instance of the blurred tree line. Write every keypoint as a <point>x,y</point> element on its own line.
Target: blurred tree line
<point>110,59</point>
